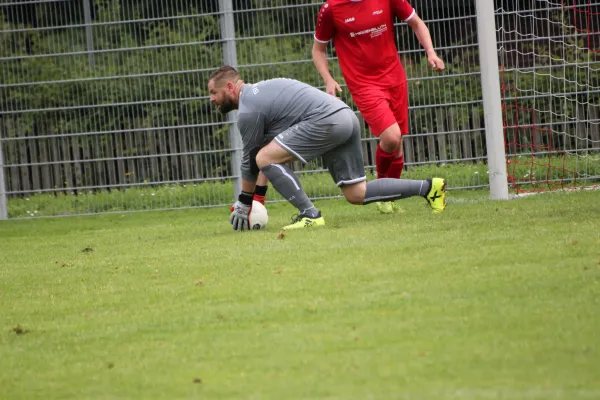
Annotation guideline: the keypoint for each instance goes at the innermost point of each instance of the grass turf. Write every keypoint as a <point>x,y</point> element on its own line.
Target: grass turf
<point>490,300</point>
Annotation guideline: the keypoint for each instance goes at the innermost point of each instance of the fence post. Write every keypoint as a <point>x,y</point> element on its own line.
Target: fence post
<point>3,200</point>
<point>88,31</point>
<point>230,58</point>
<point>492,104</point>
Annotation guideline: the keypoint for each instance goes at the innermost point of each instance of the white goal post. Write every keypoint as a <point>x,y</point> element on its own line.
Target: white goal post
<point>492,105</point>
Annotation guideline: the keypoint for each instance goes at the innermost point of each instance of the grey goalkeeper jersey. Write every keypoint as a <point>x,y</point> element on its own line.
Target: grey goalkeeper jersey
<point>269,107</point>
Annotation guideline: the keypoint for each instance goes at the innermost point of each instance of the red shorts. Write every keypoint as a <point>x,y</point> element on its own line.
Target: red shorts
<point>381,108</point>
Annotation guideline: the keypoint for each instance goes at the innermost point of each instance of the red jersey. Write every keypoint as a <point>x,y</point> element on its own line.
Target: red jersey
<point>363,36</point>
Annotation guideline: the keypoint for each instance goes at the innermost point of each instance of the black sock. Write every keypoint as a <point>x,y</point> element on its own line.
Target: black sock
<point>261,190</point>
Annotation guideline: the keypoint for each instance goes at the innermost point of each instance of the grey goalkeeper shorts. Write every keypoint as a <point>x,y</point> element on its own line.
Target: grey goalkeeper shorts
<point>335,138</point>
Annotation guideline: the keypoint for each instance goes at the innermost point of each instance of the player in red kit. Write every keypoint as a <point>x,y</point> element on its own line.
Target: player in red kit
<point>363,35</point>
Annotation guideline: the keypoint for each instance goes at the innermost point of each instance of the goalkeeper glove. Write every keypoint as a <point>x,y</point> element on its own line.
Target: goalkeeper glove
<point>241,212</point>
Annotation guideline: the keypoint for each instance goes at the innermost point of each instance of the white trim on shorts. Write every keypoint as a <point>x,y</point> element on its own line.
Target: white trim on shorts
<point>351,181</point>
<point>298,156</point>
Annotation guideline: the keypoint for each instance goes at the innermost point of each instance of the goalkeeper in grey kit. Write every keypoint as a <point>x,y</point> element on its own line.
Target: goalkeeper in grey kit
<point>282,120</point>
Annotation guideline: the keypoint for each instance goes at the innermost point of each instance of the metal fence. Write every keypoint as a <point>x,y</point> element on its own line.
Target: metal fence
<point>104,107</point>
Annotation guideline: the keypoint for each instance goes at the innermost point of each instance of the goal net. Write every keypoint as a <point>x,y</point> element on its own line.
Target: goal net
<point>549,55</point>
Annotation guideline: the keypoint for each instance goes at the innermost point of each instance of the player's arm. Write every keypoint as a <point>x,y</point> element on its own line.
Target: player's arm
<point>422,32</point>
<point>319,56</point>
<point>407,13</point>
<point>248,186</point>
<point>251,126</point>
<point>252,130</point>
<point>324,32</point>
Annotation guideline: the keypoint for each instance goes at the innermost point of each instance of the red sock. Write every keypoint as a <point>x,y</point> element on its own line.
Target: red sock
<point>383,160</point>
<point>396,167</point>
<point>260,193</point>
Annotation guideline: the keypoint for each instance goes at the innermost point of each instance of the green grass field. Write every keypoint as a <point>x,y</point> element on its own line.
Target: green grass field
<point>490,300</point>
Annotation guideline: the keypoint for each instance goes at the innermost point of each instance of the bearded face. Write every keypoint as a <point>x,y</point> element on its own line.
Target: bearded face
<point>226,105</point>
<point>222,96</point>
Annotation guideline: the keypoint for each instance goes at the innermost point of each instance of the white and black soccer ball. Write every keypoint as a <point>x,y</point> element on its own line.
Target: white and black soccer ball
<point>258,216</point>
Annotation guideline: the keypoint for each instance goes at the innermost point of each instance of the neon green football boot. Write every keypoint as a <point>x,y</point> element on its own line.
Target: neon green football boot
<point>385,207</point>
<point>389,207</point>
<point>396,208</point>
<point>305,221</point>
<point>437,195</point>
